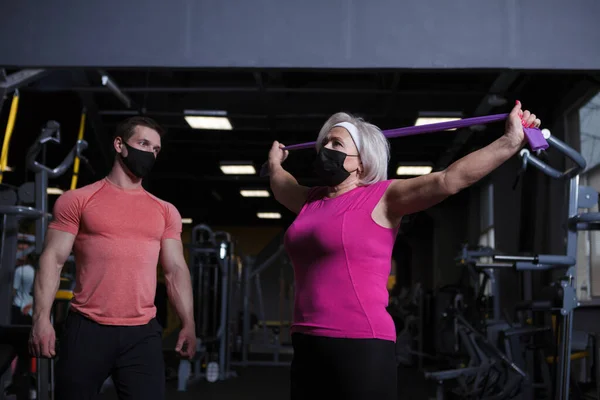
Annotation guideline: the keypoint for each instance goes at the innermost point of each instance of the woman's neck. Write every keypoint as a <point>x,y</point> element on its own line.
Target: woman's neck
<point>349,184</point>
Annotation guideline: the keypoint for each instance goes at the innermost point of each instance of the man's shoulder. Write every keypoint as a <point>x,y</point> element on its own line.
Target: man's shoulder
<point>84,191</point>
<point>163,203</point>
<point>77,197</point>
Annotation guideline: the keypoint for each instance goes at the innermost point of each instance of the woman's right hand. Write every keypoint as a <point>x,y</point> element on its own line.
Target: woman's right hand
<point>277,155</point>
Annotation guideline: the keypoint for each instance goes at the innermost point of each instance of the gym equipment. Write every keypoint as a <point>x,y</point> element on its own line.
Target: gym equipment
<point>408,310</point>
<point>12,214</point>
<point>259,338</point>
<point>579,197</point>
<point>76,163</point>
<point>8,134</point>
<point>534,136</point>
<point>485,372</point>
<point>470,364</point>
<point>211,265</point>
<point>522,343</point>
<point>563,297</point>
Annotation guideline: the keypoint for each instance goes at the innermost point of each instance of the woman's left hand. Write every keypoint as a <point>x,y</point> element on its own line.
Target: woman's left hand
<point>515,123</point>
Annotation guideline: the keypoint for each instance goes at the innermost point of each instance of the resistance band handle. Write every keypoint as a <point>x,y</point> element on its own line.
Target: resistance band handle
<point>562,147</point>
<point>536,139</point>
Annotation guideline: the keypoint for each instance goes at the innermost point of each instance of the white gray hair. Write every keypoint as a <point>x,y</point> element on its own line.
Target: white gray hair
<point>375,148</point>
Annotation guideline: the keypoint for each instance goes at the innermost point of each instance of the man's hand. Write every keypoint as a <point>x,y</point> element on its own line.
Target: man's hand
<point>186,343</point>
<point>42,339</point>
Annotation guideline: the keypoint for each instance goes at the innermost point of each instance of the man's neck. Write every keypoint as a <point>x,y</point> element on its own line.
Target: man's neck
<point>119,177</point>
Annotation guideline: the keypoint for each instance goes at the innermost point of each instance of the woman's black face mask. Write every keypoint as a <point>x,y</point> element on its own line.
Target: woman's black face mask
<point>329,166</point>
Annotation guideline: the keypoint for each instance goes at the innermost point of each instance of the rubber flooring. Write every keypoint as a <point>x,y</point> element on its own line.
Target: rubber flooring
<point>272,383</point>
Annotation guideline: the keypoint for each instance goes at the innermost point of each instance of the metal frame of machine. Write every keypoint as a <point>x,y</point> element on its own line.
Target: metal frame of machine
<point>208,246</point>
<point>11,215</point>
<point>579,197</point>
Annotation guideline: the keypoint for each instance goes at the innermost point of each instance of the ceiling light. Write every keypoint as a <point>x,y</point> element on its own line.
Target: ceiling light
<point>436,117</point>
<point>212,120</point>
<point>238,168</point>
<point>269,215</point>
<point>114,88</point>
<point>254,193</point>
<point>56,191</point>
<point>413,170</point>
<point>434,120</point>
<point>186,220</point>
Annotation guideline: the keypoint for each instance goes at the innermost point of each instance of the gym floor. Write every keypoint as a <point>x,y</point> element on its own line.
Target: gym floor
<point>272,383</point>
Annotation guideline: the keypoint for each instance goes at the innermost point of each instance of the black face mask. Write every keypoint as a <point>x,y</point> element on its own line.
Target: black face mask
<point>329,166</point>
<point>137,161</point>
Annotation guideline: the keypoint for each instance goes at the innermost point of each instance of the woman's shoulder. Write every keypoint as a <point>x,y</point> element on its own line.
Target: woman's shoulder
<point>379,185</point>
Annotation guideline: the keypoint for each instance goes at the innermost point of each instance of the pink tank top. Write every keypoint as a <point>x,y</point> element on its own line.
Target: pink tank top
<point>342,260</point>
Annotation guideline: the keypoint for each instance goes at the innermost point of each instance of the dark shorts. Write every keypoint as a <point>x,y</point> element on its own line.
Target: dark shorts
<point>349,369</point>
<point>89,353</point>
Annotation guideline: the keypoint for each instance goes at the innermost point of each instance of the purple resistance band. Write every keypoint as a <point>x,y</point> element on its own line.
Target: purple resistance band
<point>534,135</point>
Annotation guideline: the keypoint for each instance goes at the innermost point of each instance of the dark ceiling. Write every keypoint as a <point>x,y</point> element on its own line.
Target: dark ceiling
<point>264,105</point>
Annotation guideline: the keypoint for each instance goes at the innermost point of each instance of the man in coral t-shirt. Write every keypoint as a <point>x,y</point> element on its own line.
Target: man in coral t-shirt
<point>118,233</point>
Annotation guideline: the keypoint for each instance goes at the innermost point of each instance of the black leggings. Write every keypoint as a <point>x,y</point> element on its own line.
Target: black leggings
<point>349,369</point>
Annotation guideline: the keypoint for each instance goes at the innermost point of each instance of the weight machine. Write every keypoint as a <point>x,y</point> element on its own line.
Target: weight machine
<point>212,264</point>
<point>14,208</point>
<point>518,341</point>
<point>252,288</point>
<point>562,296</point>
<point>410,311</point>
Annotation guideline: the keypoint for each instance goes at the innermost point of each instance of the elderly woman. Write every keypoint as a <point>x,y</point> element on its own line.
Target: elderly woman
<point>341,243</point>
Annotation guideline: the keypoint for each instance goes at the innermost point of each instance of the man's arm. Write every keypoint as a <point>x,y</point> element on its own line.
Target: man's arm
<point>179,284</point>
<point>57,248</point>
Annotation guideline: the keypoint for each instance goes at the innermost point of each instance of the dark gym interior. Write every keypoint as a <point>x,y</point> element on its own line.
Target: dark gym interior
<point>277,71</point>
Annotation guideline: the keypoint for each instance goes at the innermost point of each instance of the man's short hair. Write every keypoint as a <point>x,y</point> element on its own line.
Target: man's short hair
<point>126,129</point>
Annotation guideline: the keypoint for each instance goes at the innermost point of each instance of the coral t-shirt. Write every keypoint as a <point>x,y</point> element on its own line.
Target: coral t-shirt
<point>117,245</point>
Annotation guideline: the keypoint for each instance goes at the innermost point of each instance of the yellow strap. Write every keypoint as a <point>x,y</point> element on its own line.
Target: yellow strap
<point>391,282</point>
<point>64,295</point>
<point>8,134</point>
<point>575,356</point>
<point>76,163</point>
